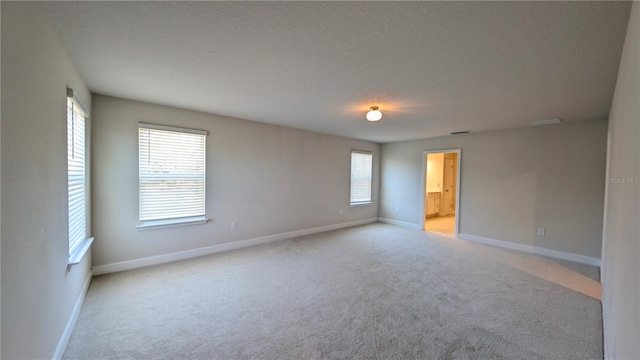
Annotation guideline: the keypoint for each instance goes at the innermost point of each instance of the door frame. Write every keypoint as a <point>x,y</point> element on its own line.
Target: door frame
<point>424,185</point>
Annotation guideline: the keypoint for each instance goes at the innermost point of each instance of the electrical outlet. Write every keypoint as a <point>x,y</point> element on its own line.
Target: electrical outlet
<point>340,212</point>
<point>397,209</point>
<point>234,225</point>
<point>540,231</point>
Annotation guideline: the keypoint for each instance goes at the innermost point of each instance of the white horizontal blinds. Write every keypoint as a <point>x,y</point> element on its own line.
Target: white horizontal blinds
<point>361,177</point>
<point>76,173</point>
<point>172,172</point>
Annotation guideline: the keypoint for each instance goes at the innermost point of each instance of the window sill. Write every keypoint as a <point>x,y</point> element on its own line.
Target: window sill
<point>360,204</point>
<point>167,223</point>
<point>78,254</point>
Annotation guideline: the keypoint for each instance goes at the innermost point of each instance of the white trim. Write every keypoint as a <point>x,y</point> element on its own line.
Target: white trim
<point>424,185</point>
<point>532,249</point>
<point>607,331</point>
<point>159,224</point>
<point>608,338</point>
<point>367,152</point>
<point>73,318</point>
<point>605,219</point>
<point>401,223</point>
<point>172,128</point>
<point>72,94</point>
<point>187,254</point>
<point>79,252</point>
<point>361,204</point>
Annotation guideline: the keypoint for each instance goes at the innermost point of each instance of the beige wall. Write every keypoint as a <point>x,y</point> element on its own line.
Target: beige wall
<point>38,293</point>
<point>621,243</point>
<point>512,182</point>
<point>269,179</point>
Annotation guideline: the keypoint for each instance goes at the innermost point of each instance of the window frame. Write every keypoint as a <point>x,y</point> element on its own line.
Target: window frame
<point>150,224</point>
<point>351,179</point>
<point>78,246</point>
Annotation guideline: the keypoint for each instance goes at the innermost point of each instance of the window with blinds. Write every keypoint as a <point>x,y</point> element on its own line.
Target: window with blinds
<point>361,164</point>
<point>171,174</point>
<point>76,173</point>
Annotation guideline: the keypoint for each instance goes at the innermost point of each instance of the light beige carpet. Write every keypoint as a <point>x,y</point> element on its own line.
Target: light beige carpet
<point>371,292</point>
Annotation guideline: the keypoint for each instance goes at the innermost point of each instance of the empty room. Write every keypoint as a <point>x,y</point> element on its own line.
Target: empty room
<point>320,180</point>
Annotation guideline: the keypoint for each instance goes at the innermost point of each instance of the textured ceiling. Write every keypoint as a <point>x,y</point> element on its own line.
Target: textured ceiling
<point>431,67</point>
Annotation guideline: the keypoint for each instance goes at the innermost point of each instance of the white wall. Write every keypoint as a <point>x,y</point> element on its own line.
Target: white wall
<point>513,181</point>
<point>38,294</point>
<point>267,178</point>
<point>435,172</point>
<point>621,243</point>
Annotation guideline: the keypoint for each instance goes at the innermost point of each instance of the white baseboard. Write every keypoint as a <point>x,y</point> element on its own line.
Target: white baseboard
<point>188,254</point>
<point>73,318</point>
<point>401,223</point>
<point>608,338</point>
<point>532,249</point>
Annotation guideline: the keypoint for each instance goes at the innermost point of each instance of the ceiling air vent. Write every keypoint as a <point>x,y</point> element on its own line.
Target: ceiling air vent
<point>461,132</point>
<point>546,122</point>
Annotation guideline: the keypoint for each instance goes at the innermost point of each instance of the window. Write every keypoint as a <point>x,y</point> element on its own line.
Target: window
<point>171,176</point>
<point>77,184</point>
<point>360,177</point>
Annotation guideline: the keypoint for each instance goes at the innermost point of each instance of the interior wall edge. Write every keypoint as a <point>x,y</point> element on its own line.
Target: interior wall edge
<point>621,231</point>
<point>39,290</point>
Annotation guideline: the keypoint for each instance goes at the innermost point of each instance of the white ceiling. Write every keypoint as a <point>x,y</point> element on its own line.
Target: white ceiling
<point>431,67</point>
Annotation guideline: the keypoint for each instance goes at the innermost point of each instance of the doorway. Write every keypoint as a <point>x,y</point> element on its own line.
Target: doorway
<point>441,200</point>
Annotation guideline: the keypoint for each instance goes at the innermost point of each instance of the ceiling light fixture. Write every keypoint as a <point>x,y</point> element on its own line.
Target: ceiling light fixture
<point>374,114</point>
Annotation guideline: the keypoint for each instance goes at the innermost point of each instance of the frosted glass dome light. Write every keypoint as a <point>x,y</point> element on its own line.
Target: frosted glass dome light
<point>374,114</point>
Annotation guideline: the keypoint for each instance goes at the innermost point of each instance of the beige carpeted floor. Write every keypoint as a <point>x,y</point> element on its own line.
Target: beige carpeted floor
<point>371,292</point>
